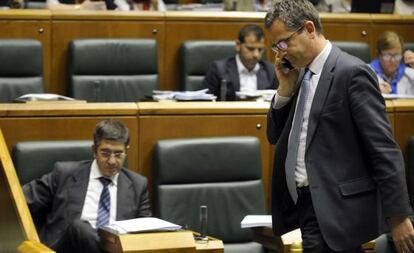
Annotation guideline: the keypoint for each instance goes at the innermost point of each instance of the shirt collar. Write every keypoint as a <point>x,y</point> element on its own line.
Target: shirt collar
<point>96,174</point>
<point>316,65</point>
<point>243,70</point>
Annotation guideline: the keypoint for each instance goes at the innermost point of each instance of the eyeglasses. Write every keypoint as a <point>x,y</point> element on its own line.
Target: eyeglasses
<point>283,44</point>
<point>388,57</point>
<point>108,154</point>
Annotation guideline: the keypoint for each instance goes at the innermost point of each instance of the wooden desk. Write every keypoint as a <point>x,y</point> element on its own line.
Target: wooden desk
<point>160,242</point>
<point>56,28</point>
<point>152,121</point>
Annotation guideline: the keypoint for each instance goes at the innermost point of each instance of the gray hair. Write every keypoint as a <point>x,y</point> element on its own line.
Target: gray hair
<point>293,13</point>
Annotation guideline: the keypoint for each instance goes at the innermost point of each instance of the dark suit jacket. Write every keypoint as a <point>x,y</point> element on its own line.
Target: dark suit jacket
<point>227,69</point>
<point>61,194</point>
<point>354,166</point>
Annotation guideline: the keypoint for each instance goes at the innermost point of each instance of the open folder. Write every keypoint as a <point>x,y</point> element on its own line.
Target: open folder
<point>140,225</point>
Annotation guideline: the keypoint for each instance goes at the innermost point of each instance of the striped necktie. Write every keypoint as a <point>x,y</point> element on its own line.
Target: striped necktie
<point>104,204</point>
<point>293,146</point>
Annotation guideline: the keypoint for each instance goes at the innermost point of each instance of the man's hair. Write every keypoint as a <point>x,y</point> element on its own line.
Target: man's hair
<point>110,130</point>
<point>388,40</point>
<point>294,14</point>
<point>250,30</point>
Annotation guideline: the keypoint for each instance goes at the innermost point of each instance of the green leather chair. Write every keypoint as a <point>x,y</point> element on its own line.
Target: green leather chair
<point>32,159</point>
<point>223,173</point>
<point>409,45</point>
<point>21,68</point>
<point>112,70</point>
<point>358,49</point>
<point>196,58</point>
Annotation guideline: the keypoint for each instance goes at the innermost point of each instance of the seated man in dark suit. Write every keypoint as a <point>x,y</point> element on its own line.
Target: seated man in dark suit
<point>79,197</point>
<point>245,71</point>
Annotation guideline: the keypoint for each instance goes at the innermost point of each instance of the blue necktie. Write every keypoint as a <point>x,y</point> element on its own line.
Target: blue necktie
<point>293,145</point>
<point>104,204</point>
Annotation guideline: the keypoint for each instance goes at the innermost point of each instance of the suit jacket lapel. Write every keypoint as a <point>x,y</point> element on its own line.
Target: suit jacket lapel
<point>77,188</point>
<point>321,93</point>
<point>125,196</point>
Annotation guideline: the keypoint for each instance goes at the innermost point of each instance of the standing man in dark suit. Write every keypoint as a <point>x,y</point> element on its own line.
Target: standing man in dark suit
<point>79,197</point>
<point>339,174</point>
<point>244,72</point>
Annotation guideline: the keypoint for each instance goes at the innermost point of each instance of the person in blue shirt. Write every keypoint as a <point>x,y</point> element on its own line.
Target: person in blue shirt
<point>394,77</point>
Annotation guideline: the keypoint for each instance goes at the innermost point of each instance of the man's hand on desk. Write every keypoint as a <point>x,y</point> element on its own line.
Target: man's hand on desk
<point>402,234</point>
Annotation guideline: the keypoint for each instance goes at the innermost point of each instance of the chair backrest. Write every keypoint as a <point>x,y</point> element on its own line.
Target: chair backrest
<point>357,49</point>
<point>409,45</point>
<point>223,173</point>
<point>21,68</point>
<point>33,159</point>
<point>196,58</point>
<point>112,70</point>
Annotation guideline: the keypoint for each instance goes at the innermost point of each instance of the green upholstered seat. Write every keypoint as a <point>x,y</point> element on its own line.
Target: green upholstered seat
<point>409,45</point>
<point>33,159</point>
<point>223,173</point>
<point>357,49</point>
<point>21,68</point>
<point>112,70</point>
<point>196,58</point>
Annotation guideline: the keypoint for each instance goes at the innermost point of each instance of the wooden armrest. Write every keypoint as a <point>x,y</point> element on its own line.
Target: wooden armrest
<point>33,247</point>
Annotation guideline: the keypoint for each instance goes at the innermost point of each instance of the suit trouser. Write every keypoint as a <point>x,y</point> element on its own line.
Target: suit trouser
<point>312,239</point>
<point>80,236</point>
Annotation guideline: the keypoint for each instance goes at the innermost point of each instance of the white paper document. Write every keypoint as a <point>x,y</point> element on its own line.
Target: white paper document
<point>251,221</point>
<point>147,224</point>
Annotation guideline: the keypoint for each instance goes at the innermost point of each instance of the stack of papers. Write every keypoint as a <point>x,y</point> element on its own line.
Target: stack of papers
<point>265,95</point>
<point>42,97</point>
<point>396,96</point>
<point>199,95</point>
<point>140,225</point>
<point>251,221</point>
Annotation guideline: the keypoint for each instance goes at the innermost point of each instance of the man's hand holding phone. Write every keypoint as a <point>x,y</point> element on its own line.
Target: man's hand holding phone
<point>286,74</point>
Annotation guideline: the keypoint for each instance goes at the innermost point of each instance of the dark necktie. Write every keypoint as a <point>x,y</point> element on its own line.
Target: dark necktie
<point>104,204</point>
<point>293,146</point>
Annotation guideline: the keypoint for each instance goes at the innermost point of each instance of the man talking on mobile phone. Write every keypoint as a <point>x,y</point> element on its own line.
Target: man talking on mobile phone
<point>338,173</point>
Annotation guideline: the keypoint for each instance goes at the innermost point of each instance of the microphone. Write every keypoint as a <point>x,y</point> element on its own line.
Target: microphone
<point>223,90</point>
<point>203,222</point>
<point>96,89</point>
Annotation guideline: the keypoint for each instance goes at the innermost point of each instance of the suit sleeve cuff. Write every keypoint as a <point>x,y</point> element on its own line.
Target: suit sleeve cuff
<point>279,101</point>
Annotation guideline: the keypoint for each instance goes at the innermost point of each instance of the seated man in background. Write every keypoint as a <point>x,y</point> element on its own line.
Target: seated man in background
<point>120,5</point>
<point>244,72</point>
<point>77,198</point>
<point>394,76</point>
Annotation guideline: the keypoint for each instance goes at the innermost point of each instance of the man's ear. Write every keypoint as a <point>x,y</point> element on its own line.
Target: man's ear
<point>94,150</point>
<point>238,43</point>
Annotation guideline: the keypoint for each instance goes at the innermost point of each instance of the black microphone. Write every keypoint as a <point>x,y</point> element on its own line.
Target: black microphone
<point>203,222</point>
<point>96,89</point>
<point>223,90</point>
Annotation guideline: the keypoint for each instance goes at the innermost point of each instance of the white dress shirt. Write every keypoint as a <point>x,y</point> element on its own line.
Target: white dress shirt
<point>248,79</point>
<point>90,206</point>
<point>316,67</point>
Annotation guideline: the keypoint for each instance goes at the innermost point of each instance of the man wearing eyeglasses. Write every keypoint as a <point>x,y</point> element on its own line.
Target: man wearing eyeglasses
<point>80,197</point>
<point>338,173</point>
<point>246,71</point>
<point>394,76</point>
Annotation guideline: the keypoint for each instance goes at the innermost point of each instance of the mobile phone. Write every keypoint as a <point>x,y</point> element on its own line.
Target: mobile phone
<point>286,64</point>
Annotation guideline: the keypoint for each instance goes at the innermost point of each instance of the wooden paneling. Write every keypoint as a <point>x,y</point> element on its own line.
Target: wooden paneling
<point>68,26</point>
<point>30,24</point>
<point>404,121</point>
<point>25,123</point>
<point>56,28</point>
